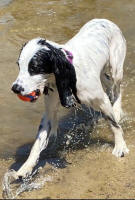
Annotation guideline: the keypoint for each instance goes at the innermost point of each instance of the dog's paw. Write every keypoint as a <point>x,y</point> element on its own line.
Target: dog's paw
<point>120,150</point>
<point>23,173</point>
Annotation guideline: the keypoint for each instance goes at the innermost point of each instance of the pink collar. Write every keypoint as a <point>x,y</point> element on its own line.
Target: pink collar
<point>69,55</point>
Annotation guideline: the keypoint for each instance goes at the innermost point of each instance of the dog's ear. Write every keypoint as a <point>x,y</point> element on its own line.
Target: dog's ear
<point>65,75</point>
<point>65,79</point>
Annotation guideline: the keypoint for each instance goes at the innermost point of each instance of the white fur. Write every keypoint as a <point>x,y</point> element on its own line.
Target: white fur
<point>99,43</point>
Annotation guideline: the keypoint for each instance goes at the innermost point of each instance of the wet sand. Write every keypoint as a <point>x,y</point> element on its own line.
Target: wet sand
<point>91,171</point>
<point>91,174</point>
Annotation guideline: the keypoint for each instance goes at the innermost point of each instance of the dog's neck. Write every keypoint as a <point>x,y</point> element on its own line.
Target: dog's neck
<point>50,85</point>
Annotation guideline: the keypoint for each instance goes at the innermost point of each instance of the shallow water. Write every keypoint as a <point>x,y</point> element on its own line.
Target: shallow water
<point>59,20</point>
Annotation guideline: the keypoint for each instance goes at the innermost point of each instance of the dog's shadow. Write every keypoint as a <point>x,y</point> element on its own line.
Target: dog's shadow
<point>74,133</point>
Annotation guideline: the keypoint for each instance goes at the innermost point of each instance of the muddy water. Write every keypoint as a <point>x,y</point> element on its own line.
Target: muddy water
<point>93,172</point>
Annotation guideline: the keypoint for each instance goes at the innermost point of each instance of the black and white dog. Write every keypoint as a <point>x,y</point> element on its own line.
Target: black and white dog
<point>74,73</point>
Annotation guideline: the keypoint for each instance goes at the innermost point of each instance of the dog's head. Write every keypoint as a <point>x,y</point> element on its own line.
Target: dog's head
<point>38,59</point>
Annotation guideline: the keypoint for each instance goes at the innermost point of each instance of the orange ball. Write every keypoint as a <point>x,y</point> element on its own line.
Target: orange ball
<point>30,97</point>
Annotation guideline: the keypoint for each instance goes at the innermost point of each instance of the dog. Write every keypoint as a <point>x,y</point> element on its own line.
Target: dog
<point>72,74</point>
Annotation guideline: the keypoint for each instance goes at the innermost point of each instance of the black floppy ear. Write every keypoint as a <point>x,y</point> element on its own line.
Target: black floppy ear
<point>64,74</point>
<point>63,86</point>
<point>65,80</point>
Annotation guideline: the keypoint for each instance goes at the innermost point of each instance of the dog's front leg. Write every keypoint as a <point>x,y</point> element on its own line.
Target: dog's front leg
<point>39,145</point>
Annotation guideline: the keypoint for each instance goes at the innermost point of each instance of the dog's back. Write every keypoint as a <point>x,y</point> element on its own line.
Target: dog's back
<point>94,41</point>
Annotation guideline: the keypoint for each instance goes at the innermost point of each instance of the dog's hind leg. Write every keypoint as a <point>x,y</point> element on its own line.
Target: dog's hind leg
<point>117,108</point>
<point>113,90</point>
<point>117,57</point>
<point>120,146</point>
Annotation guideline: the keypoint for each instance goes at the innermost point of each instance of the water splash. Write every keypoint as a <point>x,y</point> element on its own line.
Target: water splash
<point>77,136</point>
<point>11,189</point>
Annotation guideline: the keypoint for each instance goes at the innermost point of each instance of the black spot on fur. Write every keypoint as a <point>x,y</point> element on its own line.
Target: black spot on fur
<point>54,61</point>
<point>40,63</point>
<point>103,25</point>
<point>46,90</point>
<point>42,42</point>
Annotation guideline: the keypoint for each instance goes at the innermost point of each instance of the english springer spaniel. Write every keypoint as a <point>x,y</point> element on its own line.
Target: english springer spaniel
<point>72,74</point>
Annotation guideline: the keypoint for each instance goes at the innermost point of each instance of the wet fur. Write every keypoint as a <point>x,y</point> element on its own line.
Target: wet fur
<point>99,44</point>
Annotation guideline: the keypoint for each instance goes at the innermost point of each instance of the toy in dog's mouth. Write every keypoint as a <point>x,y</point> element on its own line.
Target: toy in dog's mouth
<point>32,97</point>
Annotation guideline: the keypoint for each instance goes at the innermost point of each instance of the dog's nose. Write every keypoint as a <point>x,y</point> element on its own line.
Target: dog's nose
<point>17,89</point>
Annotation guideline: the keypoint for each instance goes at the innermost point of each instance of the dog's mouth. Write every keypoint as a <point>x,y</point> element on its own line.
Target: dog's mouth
<point>32,97</point>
